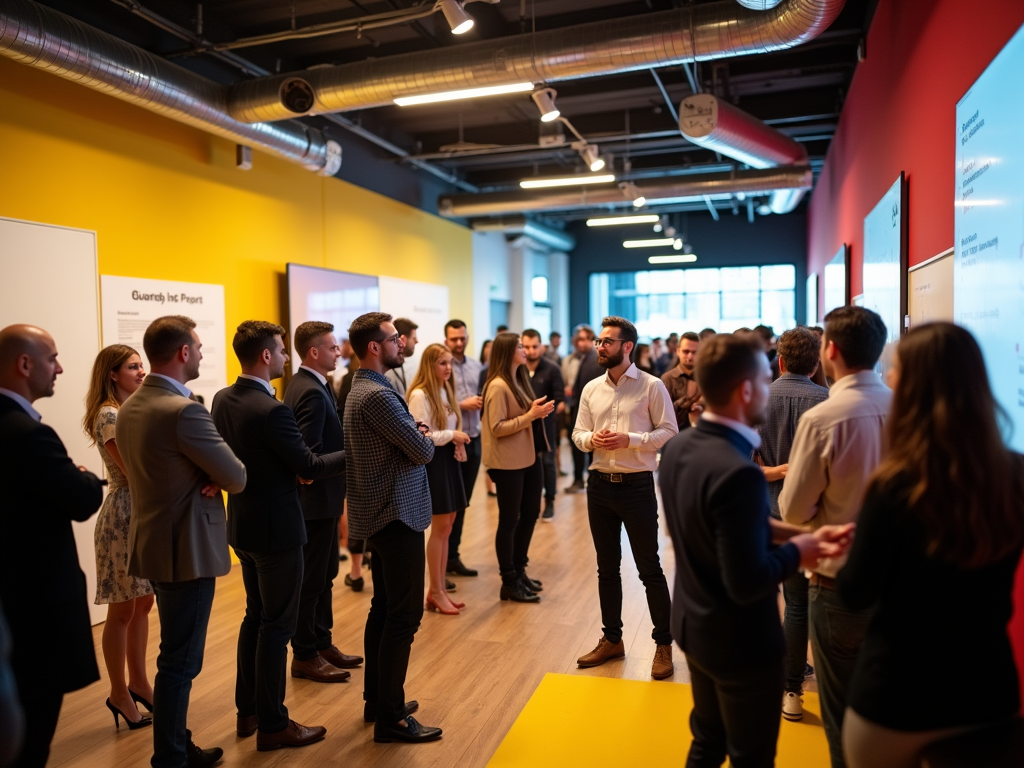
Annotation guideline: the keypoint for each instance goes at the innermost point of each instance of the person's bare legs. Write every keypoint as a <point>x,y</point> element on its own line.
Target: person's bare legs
<point>138,640</point>
<point>115,641</point>
<point>437,557</point>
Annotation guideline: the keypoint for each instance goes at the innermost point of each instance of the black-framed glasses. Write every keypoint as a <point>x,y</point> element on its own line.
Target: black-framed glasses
<point>394,339</point>
<point>599,343</point>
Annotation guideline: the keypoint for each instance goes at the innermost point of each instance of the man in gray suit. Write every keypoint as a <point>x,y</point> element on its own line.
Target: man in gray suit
<point>177,465</point>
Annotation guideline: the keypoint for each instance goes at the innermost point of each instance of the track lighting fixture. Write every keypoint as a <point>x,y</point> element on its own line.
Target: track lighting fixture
<point>632,192</point>
<point>456,15</point>
<point>591,157</point>
<point>545,101</point>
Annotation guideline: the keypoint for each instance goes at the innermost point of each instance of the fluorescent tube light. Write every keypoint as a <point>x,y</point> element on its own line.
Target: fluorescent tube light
<point>614,221</point>
<point>683,258</point>
<point>567,181</point>
<point>469,93</point>
<point>658,243</point>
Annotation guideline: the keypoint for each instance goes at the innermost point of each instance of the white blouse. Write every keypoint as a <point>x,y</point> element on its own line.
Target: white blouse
<point>419,407</point>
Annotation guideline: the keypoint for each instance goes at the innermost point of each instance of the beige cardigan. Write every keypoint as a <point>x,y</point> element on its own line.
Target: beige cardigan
<point>505,430</point>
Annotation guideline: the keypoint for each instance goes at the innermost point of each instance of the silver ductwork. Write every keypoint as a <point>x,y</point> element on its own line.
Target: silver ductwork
<point>43,38</point>
<point>759,5</point>
<point>695,32</point>
<point>552,238</point>
<point>671,190</point>
<point>709,122</point>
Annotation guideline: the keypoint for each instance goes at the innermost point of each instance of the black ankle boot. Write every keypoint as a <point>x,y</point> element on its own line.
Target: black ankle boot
<point>512,588</point>
<point>531,585</point>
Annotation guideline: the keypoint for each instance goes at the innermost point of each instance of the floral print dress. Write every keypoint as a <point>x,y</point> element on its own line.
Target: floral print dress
<point>113,584</point>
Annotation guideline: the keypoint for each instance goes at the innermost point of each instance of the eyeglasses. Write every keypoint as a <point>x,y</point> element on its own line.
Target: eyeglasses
<point>394,339</point>
<point>599,343</point>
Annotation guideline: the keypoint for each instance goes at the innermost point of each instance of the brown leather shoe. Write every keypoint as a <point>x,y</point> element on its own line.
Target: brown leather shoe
<point>605,650</point>
<point>246,726</point>
<point>294,735</point>
<point>336,658</point>
<point>318,670</point>
<point>662,666</point>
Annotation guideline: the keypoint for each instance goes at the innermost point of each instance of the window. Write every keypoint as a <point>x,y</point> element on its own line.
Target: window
<point>660,302</point>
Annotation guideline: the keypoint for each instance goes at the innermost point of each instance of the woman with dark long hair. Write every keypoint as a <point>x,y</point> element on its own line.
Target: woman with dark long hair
<point>937,546</point>
<point>116,374</point>
<point>510,446</point>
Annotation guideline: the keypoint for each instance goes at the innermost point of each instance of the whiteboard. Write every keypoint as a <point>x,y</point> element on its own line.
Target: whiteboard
<point>426,304</point>
<point>930,290</point>
<point>50,281</point>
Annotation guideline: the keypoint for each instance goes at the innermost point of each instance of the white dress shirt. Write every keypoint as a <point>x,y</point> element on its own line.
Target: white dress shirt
<point>420,409</point>
<point>25,404</point>
<point>182,389</point>
<point>319,376</point>
<point>266,384</point>
<point>638,405</point>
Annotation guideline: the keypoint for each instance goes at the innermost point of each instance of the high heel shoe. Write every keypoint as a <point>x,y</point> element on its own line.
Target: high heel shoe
<point>139,700</point>
<point>457,604</point>
<point>433,606</point>
<point>131,726</point>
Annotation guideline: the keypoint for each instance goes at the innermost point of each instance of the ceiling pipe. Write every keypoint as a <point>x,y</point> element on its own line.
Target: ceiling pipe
<point>40,37</point>
<point>555,239</point>
<point>759,5</point>
<point>696,186</point>
<point>695,32</point>
<point>717,125</point>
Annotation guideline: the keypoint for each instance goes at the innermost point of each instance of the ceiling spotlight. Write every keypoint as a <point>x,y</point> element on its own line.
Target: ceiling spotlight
<point>566,181</point>
<point>764,209</point>
<point>677,245</point>
<point>611,221</point>
<point>632,192</point>
<point>670,231</point>
<point>639,202</point>
<point>545,101</point>
<point>658,227</point>
<point>593,160</point>
<point>456,15</point>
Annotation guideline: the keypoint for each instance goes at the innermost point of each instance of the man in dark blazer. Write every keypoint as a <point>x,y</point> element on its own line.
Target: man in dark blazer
<point>730,560</point>
<point>267,531</point>
<point>309,395</point>
<point>42,588</point>
<point>588,371</point>
<point>546,380</point>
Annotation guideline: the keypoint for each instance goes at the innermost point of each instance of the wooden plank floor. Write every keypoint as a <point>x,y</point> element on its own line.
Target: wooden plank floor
<point>472,673</point>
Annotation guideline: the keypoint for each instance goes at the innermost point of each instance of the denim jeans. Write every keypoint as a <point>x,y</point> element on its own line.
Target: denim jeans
<point>184,609</point>
<point>470,469</point>
<point>272,582</point>
<point>837,634</point>
<point>319,570</point>
<point>395,612</point>
<point>794,590</point>
<point>519,493</point>
<point>610,506</point>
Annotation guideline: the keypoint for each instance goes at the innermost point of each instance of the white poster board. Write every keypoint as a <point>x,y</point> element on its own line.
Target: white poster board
<point>930,295</point>
<point>812,299</point>
<point>130,304</point>
<point>426,304</point>
<point>49,280</point>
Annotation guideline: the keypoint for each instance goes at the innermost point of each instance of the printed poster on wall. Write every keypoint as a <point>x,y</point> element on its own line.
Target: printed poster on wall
<point>426,304</point>
<point>130,304</point>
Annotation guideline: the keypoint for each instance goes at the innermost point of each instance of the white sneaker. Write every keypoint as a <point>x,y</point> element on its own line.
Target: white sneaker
<point>793,706</point>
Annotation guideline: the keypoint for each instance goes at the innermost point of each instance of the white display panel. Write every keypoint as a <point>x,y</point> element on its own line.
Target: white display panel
<point>835,282</point>
<point>988,267</point>
<point>812,299</point>
<point>885,266</point>
<point>329,296</point>
<point>426,304</point>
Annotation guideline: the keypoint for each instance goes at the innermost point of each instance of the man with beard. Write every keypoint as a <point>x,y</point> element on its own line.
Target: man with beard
<point>546,379</point>
<point>267,530</point>
<point>389,504</point>
<point>625,416</point>
<point>398,377</point>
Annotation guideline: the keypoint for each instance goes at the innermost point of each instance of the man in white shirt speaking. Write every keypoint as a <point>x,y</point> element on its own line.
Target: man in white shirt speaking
<point>624,417</point>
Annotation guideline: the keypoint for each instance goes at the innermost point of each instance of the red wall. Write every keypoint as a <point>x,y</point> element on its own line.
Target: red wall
<point>900,115</point>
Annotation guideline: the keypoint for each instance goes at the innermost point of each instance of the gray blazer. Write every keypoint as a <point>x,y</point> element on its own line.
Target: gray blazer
<point>171,449</point>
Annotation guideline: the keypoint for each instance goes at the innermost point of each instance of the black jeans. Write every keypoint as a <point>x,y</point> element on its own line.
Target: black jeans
<point>470,469</point>
<point>319,570</point>
<point>794,589</point>
<point>547,462</point>
<point>632,504</point>
<point>42,710</point>
<point>735,714</point>
<point>395,612</point>
<point>272,582</point>
<point>518,509</point>
<point>580,459</point>
<point>184,608</point>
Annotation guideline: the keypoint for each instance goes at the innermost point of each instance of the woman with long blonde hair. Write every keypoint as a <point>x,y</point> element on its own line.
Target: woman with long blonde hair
<point>510,447</point>
<point>431,396</point>
<point>116,374</point>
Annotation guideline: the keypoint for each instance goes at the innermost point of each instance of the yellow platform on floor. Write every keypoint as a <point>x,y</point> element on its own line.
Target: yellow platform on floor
<point>575,721</point>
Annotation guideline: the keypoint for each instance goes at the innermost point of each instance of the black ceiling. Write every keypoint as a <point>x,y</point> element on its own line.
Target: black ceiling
<point>800,91</point>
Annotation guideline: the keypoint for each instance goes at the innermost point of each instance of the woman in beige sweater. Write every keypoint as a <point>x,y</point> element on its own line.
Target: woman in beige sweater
<point>510,448</point>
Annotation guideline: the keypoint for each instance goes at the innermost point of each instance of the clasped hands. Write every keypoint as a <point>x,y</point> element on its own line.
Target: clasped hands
<point>607,440</point>
<point>826,542</point>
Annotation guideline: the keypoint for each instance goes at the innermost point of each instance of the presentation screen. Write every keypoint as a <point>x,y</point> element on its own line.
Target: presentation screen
<point>328,295</point>
<point>836,286</point>
<point>988,266</point>
<point>885,264</point>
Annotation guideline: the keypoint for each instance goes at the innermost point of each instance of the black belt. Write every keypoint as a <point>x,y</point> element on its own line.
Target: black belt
<point>630,478</point>
<point>817,580</point>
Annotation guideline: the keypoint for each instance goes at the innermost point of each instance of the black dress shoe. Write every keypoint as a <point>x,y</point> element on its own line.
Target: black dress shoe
<point>356,585</point>
<point>450,586</point>
<point>458,569</point>
<point>517,592</point>
<point>530,584</point>
<point>370,710</point>
<point>201,758</point>
<point>414,734</point>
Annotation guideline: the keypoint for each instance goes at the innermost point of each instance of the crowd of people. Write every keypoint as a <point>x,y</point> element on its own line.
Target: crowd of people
<point>782,464</point>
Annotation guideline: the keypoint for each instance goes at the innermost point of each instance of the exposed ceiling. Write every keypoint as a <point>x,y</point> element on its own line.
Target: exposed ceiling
<point>491,143</point>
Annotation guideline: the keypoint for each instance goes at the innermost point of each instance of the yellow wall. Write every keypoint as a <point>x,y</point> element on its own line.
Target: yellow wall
<point>167,202</point>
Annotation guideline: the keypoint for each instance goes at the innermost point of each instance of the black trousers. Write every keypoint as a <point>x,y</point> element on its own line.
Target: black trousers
<point>272,583</point>
<point>580,459</point>
<point>632,504</point>
<point>470,469</point>
<point>518,509</point>
<point>395,612</point>
<point>735,715</point>
<point>547,462</point>
<point>41,708</point>
<point>319,570</point>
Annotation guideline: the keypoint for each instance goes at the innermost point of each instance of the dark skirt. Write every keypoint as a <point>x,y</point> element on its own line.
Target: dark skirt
<point>447,494</point>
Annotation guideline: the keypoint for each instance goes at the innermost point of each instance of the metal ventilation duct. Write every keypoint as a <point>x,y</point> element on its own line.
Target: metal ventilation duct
<point>695,32</point>
<point>759,5</point>
<point>709,122</point>
<point>550,237</point>
<point>752,182</point>
<point>43,38</point>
